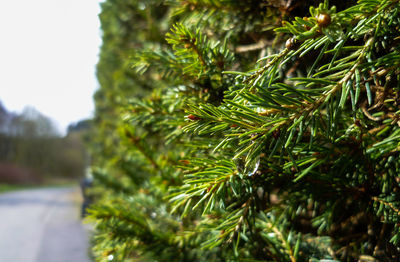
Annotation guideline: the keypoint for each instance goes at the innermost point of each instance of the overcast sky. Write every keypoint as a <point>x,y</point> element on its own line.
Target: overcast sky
<point>48,53</point>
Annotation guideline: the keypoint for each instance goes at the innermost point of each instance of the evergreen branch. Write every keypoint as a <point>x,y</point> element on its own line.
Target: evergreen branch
<point>136,142</point>
<point>261,71</point>
<point>340,83</point>
<point>200,56</point>
<point>387,204</point>
<point>275,236</point>
<point>209,184</point>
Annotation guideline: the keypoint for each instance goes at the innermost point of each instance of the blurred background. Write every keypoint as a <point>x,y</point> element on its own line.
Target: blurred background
<point>33,151</point>
<point>48,53</point>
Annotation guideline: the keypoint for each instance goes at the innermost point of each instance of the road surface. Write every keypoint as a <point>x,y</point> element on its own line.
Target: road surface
<point>42,225</point>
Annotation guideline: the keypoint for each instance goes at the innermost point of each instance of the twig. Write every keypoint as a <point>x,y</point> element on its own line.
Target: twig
<point>253,47</point>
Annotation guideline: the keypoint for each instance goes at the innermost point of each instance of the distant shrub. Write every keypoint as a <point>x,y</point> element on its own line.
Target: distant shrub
<point>13,174</point>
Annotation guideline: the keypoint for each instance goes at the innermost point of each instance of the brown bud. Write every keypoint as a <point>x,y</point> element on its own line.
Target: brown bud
<point>291,43</point>
<point>316,154</point>
<point>193,117</point>
<point>184,161</point>
<point>276,133</point>
<point>220,64</point>
<point>323,20</point>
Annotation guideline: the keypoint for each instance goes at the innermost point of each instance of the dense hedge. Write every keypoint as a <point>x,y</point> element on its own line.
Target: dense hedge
<point>248,130</point>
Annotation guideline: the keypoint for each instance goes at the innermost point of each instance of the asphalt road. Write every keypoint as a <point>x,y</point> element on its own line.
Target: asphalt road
<point>42,225</point>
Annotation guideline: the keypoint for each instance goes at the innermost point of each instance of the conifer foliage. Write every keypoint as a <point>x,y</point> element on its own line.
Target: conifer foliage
<point>248,131</point>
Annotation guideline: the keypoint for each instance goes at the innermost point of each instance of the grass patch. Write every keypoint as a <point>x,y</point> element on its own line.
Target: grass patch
<point>8,188</point>
<point>51,183</point>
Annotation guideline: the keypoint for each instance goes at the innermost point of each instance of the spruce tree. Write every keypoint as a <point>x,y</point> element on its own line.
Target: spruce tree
<point>248,131</point>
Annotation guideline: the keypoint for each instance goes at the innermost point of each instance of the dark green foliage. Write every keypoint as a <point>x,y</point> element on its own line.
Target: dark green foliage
<point>248,130</point>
